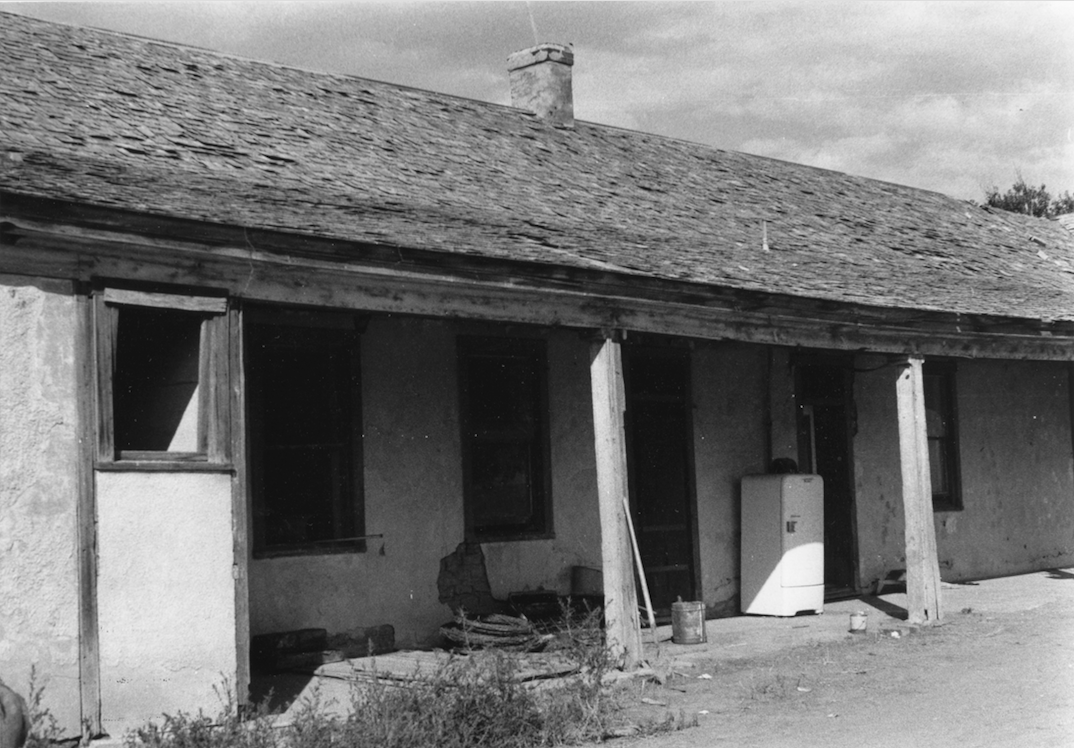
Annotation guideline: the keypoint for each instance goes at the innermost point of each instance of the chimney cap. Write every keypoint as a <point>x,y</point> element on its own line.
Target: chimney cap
<point>544,52</point>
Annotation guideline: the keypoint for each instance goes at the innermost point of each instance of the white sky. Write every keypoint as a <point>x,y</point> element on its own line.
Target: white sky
<point>949,96</point>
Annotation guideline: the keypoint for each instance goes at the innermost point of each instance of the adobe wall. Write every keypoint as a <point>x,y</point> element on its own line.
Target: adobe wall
<point>877,476</point>
<point>730,389</point>
<point>529,565</point>
<point>413,494</point>
<point>38,492</point>
<point>413,485</point>
<point>413,491</point>
<point>1017,472</point>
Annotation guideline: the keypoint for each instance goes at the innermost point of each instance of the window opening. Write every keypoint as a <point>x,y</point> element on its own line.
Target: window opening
<point>162,377</point>
<point>156,384</point>
<point>305,432</point>
<point>942,431</point>
<point>505,438</point>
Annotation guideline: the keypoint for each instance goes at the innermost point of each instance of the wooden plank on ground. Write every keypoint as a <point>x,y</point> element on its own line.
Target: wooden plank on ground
<point>409,667</point>
<point>922,566</point>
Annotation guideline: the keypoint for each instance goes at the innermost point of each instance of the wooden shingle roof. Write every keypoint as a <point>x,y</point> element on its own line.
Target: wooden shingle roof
<point>111,120</point>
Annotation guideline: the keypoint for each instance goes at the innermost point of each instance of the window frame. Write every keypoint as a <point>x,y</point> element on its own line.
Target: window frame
<point>535,349</point>
<point>946,373</point>
<point>321,328</point>
<point>213,450</point>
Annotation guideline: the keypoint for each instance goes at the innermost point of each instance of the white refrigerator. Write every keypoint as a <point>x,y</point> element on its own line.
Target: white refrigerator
<point>782,545</point>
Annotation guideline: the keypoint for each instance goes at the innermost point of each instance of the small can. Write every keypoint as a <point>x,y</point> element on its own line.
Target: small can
<point>688,622</point>
<point>859,622</point>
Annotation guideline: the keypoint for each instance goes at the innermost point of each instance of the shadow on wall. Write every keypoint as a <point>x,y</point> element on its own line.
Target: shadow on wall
<point>1059,574</point>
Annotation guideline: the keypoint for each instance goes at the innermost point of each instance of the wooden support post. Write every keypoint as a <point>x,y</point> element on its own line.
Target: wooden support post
<point>622,625</point>
<point>922,566</point>
<point>88,640</point>
<point>232,347</point>
<point>1070,399</point>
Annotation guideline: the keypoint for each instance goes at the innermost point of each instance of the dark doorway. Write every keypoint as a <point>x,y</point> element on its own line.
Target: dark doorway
<point>824,392</point>
<point>660,456</point>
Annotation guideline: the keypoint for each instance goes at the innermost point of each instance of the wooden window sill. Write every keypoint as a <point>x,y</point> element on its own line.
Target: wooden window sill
<point>521,537</point>
<point>165,465</point>
<point>331,548</point>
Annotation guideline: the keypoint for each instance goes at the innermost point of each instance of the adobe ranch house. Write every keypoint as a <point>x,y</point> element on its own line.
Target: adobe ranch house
<point>275,343</point>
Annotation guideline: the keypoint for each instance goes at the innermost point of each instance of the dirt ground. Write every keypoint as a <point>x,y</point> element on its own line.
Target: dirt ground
<point>997,671</point>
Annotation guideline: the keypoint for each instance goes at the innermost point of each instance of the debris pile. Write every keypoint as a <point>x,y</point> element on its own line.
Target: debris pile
<point>494,631</point>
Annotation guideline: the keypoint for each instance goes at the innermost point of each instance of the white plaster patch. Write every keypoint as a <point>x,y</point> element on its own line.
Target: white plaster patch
<point>165,591</point>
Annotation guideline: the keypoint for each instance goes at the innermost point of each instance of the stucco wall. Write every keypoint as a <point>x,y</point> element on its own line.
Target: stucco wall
<point>877,476</point>
<point>38,492</point>
<point>413,494</point>
<point>729,387</point>
<point>165,592</point>
<point>413,485</point>
<point>516,567</point>
<point>1016,465</point>
<point>1017,472</point>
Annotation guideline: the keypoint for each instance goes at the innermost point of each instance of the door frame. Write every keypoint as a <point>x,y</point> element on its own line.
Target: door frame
<point>680,349</point>
<point>845,362</point>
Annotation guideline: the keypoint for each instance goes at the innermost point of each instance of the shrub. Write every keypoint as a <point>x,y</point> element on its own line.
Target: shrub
<point>232,728</point>
<point>474,700</point>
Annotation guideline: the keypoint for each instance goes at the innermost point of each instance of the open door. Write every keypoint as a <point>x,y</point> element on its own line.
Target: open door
<point>661,470</point>
<point>824,389</point>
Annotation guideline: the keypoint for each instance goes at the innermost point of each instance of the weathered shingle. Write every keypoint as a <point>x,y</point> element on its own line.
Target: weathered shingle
<point>121,121</point>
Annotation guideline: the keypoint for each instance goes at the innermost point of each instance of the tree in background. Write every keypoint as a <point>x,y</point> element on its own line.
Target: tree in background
<point>1032,201</point>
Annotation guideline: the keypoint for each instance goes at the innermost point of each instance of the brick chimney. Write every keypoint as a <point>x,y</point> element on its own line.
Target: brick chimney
<point>541,82</point>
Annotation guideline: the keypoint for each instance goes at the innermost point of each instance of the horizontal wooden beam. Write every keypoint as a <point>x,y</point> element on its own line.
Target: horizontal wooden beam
<point>599,278</point>
<point>247,273</point>
<point>180,302</point>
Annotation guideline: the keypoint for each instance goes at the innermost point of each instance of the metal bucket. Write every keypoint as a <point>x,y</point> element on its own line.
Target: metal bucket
<point>859,622</point>
<point>688,622</point>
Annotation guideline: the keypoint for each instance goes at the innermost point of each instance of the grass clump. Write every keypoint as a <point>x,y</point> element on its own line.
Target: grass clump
<point>232,728</point>
<point>475,699</point>
<point>44,729</point>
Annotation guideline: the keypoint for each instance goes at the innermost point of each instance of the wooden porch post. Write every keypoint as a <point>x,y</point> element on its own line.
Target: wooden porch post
<point>88,638</point>
<point>922,567</point>
<point>622,625</point>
